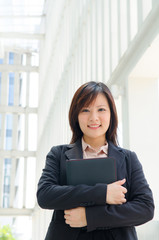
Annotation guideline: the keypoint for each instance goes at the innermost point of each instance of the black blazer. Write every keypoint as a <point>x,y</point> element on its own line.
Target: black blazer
<point>53,193</point>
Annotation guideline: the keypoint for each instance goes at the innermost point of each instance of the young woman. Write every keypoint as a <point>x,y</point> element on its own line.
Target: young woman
<point>103,211</point>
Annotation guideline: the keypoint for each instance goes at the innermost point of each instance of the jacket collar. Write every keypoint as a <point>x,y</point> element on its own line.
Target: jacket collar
<point>75,152</point>
<point>116,153</point>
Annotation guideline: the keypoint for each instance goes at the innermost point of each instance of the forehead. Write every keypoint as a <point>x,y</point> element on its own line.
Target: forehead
<point>100,99</point>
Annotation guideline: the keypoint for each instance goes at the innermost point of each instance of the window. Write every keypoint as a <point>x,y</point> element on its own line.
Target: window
<point>11,89</point>
<point>11,58</point>
<point>0,85</point>
<point>9,126</point>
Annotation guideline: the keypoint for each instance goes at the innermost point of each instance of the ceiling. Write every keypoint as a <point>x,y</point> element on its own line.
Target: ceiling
<point>22,24</point>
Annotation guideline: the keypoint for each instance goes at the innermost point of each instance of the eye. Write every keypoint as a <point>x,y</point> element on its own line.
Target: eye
<point>84,110</point>
<point>101,109</point>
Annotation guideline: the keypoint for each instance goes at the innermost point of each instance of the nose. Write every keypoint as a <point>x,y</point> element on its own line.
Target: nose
<point>93,116</point>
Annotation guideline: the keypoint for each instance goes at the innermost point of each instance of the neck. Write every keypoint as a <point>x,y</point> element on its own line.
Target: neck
<point>95,143</point>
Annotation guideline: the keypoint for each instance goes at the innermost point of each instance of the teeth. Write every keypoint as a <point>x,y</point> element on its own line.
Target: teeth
<point>94,126</point>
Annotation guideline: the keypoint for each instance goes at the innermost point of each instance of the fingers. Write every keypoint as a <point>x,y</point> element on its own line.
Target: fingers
<point>122,199</point>
<point>68,219</point>
<point>116,192</point>
<point>75,217</point>
<point>67,216</point>
<point>124,190</point>
<point>121,182</point>
<point>67,212</point>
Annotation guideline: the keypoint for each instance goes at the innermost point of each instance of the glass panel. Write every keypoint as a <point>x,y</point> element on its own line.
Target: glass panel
<point>6,182</point>
<point>35,60</point>
<point>9,126</point>
<point>0,86</point>
<point>11,89</point>
<point>33,89</point>
<point>11,58</point>
<point>30,185</point>
<point>32,132</point>
<point>19,183</point>
<point>21,131</point>
<point>24,17</point>
<point>24,59</point>
<point>0,127</point>
<point>22,89</point>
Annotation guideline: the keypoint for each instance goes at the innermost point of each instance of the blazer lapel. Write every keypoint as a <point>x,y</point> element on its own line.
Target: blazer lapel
<point>74,151</point>
<point>118,154</point>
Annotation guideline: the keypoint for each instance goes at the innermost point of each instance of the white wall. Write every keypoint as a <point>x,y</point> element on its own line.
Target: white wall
<point>144,135</point>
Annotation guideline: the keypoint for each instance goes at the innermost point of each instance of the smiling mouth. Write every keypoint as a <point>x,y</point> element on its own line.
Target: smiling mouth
<point>94,126</point>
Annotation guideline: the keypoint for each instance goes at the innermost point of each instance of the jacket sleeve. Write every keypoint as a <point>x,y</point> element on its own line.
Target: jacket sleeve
<point>138,209</point>
<point>51,195</point>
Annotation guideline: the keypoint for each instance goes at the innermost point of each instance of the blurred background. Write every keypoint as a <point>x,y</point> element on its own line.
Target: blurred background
<point>48,48</point>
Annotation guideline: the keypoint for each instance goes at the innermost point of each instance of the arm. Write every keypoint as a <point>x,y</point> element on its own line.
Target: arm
<point>51,195</point>
<point>76,217</point>
<point>138,209</point>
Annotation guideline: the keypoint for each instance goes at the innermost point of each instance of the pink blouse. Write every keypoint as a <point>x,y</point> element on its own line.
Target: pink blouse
<point>89,152</point>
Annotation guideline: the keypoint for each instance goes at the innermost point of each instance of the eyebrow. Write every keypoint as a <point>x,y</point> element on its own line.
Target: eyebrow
<point>102,105</point>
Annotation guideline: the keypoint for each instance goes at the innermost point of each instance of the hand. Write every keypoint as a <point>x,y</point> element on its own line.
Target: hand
<point>76,217</point>
<point>116,193</point>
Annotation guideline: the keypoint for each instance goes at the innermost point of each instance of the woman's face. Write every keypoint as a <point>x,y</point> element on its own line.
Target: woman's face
<point>94,120</point>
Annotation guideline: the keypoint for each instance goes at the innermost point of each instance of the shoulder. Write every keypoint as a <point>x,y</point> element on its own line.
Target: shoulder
<point>131,158</point>
<point>127,152</point>
<point>117,149</point>
<point>127,155</point>
<point>58,149</point>
<point>61,147</point>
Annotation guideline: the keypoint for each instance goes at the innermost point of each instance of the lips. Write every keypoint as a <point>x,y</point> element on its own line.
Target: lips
<point>94,126</point>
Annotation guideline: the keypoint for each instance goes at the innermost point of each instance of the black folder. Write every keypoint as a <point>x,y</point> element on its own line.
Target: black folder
<point>91,171</point>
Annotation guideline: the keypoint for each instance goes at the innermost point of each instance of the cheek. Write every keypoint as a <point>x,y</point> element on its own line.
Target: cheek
<point>106,119</point>
<point>82,126</point>
<point>80,121</point>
